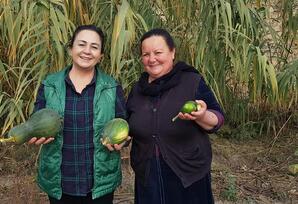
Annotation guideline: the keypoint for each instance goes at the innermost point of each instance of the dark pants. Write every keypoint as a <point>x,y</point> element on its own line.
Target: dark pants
<point>164,187</point>
<point>68,199</point>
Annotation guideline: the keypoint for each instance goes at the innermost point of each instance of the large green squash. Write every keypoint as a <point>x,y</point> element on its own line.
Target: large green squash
<point>115,131</point>
<point>43,123</point>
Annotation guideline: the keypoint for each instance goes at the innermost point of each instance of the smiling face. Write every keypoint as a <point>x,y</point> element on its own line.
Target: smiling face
<point>157,57</point>
<point>86,50</point>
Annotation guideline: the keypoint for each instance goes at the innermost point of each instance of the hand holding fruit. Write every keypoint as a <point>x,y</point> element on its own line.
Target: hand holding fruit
<point>192,110</point>
<point>118,147</point>
<point>115,134</point>
<point>197,114</point>
<point>40,128</point>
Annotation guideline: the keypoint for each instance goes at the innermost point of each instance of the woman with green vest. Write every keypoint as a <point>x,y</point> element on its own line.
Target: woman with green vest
<point>75,167</point>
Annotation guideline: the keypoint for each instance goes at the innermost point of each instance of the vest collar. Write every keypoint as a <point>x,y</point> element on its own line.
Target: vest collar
<point>101,79</point>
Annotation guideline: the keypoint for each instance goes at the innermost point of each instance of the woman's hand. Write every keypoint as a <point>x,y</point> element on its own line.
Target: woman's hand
<point>195,115</point>
<point>206,119</point>
<point>42,140</point>
<point>118,147</point>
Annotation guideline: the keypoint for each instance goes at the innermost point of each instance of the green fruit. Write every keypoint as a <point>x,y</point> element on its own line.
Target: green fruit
<point>115,131</point>
<point>43,123</point>
<point>189,107</point>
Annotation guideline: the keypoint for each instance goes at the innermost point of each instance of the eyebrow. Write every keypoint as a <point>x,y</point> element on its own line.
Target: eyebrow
<point>156,50</point>
<point>91,43</point>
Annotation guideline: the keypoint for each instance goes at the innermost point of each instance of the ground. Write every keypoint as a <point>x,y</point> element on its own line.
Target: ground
<point>246,171</point>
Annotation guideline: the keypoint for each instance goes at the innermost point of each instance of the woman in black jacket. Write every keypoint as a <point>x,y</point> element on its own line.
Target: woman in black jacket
<point>171,160</point>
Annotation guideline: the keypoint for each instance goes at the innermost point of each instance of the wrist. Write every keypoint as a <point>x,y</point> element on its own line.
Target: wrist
<point>201,117</point>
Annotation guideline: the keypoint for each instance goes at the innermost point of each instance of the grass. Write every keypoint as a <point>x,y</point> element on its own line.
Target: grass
<point>228,41</point>
<point>246,171</point>
<point>246,53</point>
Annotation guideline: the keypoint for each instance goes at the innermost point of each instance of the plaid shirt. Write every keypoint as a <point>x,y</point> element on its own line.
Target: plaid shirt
<point>78,147</point>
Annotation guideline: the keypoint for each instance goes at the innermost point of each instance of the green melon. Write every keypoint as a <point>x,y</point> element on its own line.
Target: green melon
<point>115,131</point>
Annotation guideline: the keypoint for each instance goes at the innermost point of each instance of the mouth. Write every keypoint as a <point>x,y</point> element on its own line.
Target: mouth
<point>154,66</point>
<point>85,58</point>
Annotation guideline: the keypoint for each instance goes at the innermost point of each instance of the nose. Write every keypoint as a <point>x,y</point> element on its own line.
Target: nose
<point>87,49</point>
<point>151,58</point>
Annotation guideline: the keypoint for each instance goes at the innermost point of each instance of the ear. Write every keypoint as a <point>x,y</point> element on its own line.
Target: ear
<point>173,53</point>
<point>69,52</point>
<point>100,58</point>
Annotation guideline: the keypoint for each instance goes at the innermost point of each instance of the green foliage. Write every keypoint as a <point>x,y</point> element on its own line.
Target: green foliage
<point>245,131</point>
<point>230,191</point>
<point>247,62</point>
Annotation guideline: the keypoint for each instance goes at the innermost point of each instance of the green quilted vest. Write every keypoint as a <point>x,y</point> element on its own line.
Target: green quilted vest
<point>107,172</point>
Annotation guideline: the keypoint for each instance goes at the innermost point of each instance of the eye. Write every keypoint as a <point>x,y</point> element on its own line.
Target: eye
<point>158,52</point>
<point>145,54</point>
<point>95,47</point>
<point>81,44</point>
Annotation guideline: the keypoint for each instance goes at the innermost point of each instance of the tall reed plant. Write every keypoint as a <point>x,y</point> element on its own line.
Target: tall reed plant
<point>248,62</point>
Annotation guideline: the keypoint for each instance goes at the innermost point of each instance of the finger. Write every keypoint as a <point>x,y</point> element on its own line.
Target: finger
<point>49,140</point>
<point>118,146</point>
<point>32,140</point>
<point>127,141</point>
<point>181,116</point>
<point>196,113</point>
<point>189,116</point>
<point>110,147</point>
<point>202,104</point>
<point>128,138</point>
<point>40,141</point>
<point>186,116</point>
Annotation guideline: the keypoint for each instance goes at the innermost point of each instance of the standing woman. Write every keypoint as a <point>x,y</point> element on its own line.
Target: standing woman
<point>171,160</point>
<point>75,167</point>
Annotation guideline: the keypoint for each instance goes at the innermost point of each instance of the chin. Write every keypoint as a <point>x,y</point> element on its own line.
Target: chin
<point>154,74</point>
<point>87,65</point>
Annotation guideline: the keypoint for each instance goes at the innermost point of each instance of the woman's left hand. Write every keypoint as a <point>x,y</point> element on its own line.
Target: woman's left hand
<point>195,115</point>
<point>203,117</point>
<point>118,147</point>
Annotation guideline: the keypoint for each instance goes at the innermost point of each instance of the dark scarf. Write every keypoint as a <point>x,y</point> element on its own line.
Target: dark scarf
<point>162,84</point>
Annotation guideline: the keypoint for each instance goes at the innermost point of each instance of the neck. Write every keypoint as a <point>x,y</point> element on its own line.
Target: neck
<point>150,79</point>
<point>82,73</point>
<point>81,78</point>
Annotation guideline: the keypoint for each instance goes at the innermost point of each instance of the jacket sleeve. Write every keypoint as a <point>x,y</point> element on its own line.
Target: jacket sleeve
<point>120,106</point>
<point>205,93</point>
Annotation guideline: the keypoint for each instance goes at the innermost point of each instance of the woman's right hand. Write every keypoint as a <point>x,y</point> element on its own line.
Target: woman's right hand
<point>118,147</point>
<point>39,141</point>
